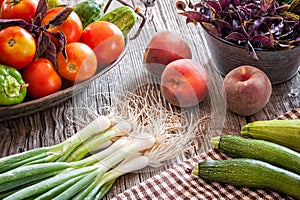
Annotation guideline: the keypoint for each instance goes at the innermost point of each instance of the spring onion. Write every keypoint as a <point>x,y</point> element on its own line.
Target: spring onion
<point>52,153</point>
<point>48,184</point>
<point>59,189</point>
<point>119,130</point>
<point>141,142</point>
<point>7,187</point>
<point>86,165</point>
<point>134,164</point>
<point>31,173</point>
<point>105,189</point>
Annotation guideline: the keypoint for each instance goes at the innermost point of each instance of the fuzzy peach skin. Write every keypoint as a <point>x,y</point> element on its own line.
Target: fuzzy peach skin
<point>184,83</point>
<point>163,48</point>
<point>247,90</point>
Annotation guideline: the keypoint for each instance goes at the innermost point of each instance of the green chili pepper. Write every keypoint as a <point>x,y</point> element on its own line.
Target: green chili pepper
<point>12,87</point>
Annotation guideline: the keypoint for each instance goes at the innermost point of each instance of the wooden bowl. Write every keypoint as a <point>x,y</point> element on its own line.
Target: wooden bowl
<point>31,106</point>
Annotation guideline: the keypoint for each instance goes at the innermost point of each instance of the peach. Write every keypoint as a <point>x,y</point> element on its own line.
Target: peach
<point>247,90</point>
<point>184,83</point>
<point>163,48</point>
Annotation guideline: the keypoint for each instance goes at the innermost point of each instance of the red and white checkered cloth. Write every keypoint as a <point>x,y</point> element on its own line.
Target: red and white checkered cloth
<point>177,183</point>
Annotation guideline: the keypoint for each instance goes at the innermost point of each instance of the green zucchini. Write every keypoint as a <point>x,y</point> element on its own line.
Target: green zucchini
<point>244,172</point>
<point>123,17</point>
<point>283,132</point>
<point>270,152</point>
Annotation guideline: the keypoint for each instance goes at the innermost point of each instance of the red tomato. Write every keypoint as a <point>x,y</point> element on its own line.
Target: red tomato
<point>20,9</point>
<point>80,65</point>
<point>42,78</point>
<point>72,26</point>
<point>106,39</point>
<point>17,47</point>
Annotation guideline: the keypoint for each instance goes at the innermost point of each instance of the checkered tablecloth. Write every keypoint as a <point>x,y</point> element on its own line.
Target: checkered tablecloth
<point>177,183</point>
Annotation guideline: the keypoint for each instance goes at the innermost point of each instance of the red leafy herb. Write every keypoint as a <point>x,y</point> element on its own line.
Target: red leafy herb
<point>45,47</point>
<point>255,24</point>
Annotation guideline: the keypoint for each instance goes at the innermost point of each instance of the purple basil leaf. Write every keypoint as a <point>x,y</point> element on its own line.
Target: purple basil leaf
<point>58,19</point>
<point>296,9</point>
<point>235,24</point>
<point>50,54</point>
<point>237,16</point>
<point>263,41</point>
<point>211,28</point>
<point>194,16</point>
<point>61,41</point>
<point>297,40</point>
<point>222,25</point>
<point>40,13</point>
<point>265,24</point>
<point>235,36</point>
<point>251,7</point>
<point>198,5</point>
<point>224,4</point>
<point>238,29</point>
<point>265,5</point>
<point>237,2</point>
<point>283,8</point>
<point>215,5</point>
<point>257,23</point>
<point>287,34</point>
<point>190,5</point>
<point>16,22</point>
<point>42,44</point>
<point>188,20</point>
<point>277,28</point>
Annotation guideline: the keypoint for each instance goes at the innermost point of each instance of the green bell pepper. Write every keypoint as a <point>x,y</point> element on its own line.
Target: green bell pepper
<point>12,87</point>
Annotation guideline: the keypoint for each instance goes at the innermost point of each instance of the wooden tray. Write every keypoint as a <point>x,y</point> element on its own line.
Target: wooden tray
<point>32,106</point>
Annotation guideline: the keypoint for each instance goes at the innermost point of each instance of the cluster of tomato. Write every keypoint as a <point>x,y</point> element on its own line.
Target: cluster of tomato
<point>87,50</point>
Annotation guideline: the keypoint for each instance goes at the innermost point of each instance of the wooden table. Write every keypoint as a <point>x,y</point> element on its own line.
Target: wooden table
<point>53,125</point>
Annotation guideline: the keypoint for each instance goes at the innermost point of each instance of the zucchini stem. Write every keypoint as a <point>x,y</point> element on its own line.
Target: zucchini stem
<point>195,170</point>
<point>215,142</point>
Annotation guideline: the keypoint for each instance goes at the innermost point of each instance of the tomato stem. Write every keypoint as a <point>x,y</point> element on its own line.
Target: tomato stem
<point>11,42</point>
<point>72,67</point>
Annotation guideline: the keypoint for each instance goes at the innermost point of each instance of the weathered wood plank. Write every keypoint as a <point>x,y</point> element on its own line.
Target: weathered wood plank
<point>53,125</point>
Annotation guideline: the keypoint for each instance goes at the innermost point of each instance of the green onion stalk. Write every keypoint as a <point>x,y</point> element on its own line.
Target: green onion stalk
<point>26,174</point>
<point>140,143</point>
<point>52,153</point>
<point>121,129</point>
<point>78,169</point>
<point>98,132</point>
<point>90,175</point>
<point>128,166</point>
